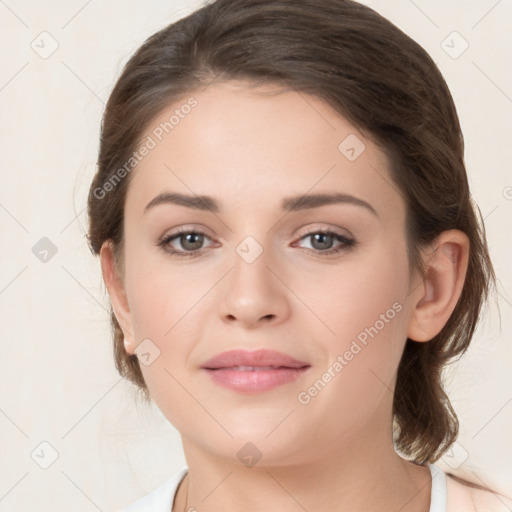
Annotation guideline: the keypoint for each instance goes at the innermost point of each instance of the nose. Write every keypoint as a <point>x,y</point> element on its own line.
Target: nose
<point>254,293</point>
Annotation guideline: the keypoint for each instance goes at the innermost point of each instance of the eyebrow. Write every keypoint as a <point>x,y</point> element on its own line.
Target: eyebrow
<point>289,204</point>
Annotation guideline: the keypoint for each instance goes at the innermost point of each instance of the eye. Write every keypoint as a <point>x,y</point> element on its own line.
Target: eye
<point>322,241</point>
<point>191,242</point>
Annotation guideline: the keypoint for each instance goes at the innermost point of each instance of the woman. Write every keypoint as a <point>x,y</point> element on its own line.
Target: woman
<point>286,233</point>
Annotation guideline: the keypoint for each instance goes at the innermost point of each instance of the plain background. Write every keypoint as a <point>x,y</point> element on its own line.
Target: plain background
<point>101,448</point>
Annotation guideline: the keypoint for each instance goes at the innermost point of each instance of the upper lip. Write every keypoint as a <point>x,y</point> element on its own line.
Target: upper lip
<point>254,358</point>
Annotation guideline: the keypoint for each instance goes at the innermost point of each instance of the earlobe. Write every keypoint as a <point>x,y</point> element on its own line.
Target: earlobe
<point>116,291</point>
<point>436,297</point>
<point>128,346</point>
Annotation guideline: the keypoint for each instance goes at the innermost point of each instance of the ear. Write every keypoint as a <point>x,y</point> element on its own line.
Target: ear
<point>436,296</point>
<point>116,290</point>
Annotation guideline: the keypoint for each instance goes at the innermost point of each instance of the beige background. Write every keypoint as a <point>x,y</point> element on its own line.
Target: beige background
<point>58,381</point>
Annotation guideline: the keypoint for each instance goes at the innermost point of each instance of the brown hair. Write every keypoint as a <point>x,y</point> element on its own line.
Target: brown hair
<point>375,76</point>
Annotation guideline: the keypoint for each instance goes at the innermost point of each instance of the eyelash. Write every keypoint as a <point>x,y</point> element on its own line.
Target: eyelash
<point>346,243</point>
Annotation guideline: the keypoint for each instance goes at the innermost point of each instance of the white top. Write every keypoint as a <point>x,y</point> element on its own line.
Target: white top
<point>447,495</point>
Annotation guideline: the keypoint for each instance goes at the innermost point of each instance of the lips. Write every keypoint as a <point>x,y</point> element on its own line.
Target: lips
<point>254,371</point>
<point>254,359</point>
<point>252,368</point>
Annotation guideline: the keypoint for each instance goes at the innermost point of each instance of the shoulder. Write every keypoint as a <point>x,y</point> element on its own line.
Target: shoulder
<point>464,496</point>
<point>160,499</point>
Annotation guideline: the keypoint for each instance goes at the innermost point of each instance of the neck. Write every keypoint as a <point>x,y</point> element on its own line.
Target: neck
<point>363,478</point>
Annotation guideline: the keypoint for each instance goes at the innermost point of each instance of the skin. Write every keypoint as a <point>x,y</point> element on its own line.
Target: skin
<point>249,149</point>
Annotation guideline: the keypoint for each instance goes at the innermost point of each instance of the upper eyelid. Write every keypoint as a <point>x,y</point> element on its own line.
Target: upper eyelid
<point>334,231</point>
<point>204,231</point>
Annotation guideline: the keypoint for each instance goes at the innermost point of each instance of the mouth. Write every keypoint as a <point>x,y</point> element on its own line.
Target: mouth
<point>251,368</point>
<point>254,372</point>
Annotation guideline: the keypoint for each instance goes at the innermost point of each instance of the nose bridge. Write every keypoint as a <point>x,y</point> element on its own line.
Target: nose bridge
<point>251,275</point>
<point>253,291</point>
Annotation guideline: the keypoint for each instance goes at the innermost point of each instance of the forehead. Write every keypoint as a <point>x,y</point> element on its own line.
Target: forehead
<point>248,145</point>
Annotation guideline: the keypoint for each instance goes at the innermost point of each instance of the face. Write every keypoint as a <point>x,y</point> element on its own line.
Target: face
<point>325,283</point>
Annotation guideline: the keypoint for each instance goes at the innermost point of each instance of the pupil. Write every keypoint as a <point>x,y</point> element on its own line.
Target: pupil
<point>322,237</point>
<point>196,243</point>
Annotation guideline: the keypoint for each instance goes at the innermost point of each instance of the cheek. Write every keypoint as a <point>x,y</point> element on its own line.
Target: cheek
<point>162,310</point>
<point>366,308</point>
<point>151,306</point>
<point>164,303</point>
<point>159,294</point>
<point>368,314</point>
<point>367,293</point>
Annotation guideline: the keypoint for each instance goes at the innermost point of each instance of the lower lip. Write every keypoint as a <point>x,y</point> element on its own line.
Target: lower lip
<point>255,381</point>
